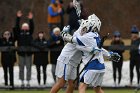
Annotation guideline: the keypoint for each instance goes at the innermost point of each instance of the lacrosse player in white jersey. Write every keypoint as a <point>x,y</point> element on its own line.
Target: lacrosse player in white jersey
<point>89,43</point>
<point>67,62</point>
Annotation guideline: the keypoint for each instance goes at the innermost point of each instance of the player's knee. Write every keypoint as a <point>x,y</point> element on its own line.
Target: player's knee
<point>79,88</point>
<point>98,90</point>
<point>61,83</point>
<point>82,87</point>
<point>70,83</point>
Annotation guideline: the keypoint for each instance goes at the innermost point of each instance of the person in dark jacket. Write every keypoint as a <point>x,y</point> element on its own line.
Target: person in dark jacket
<point>73,17</point>
<point>62,14</point>
<point>24,38</point>
<point>8,57</point>
<point>56,43</point>
<point>134,54</point>
<point>41,57</point>
<point>117,66</point>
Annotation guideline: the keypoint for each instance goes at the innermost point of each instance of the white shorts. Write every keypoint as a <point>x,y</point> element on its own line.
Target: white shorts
<point>90,77</point>
<point>67,71</point>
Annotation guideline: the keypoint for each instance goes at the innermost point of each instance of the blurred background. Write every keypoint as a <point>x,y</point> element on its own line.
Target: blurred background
<point>115,15</point>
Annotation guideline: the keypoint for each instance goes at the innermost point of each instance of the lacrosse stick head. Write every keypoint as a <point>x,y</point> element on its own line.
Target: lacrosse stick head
<point>77,7</point>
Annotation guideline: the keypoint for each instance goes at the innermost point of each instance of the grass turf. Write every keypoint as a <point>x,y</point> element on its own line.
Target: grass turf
<point>88,91</point>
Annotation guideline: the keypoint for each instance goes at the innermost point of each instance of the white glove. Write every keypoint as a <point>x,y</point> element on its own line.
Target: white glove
<point>65,30</point>
<point>80,21</point>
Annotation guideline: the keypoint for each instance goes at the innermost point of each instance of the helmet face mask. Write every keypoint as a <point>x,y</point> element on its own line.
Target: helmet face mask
<point>95,29</point>
<point>98,25</point>
<point>83,31</point>
<point>84,26</point>
<point>93,25</point>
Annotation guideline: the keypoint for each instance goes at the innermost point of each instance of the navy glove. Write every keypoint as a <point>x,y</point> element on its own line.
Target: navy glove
<point>115,57</point>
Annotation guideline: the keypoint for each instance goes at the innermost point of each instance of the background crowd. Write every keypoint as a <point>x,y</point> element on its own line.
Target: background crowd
<point>49,46</point>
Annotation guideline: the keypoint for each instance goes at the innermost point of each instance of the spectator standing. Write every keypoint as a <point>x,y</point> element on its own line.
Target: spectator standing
<point>134,54</point>
<point>8,57</point>
<point>56,43</point>
<point>24,38</point>
<point>117,66</point>
<point>54,14</point>
<point>41,57</point>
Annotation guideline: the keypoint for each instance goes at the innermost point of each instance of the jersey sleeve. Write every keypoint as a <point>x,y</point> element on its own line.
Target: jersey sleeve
<point>84,40</point>
<point>80,40</point>
<point>84,48</point>
<point>105,52</point>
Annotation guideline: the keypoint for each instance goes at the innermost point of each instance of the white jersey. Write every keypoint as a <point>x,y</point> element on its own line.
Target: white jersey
<point>71,54</point>
<point>91,40</point>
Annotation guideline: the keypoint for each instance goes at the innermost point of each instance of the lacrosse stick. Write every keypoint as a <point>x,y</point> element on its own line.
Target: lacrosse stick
<point>77,7</point>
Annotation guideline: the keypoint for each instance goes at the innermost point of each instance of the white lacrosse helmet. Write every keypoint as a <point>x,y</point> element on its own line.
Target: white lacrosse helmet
<point>94,18</point>
<point>84,26</point>
<point>89,24</point>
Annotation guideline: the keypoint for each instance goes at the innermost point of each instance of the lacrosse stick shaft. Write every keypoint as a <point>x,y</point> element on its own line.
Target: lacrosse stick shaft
<point>83,68</point>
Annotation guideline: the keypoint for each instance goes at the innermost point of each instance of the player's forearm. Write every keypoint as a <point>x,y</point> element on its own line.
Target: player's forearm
<point>84,48</point>
<point>105,52</point>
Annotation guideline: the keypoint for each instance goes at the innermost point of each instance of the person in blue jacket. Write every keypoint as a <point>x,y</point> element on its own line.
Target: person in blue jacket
<point>56,43</point>
<point>54,14</point>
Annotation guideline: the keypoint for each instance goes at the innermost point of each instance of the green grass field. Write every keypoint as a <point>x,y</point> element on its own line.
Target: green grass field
<point>88,91</point>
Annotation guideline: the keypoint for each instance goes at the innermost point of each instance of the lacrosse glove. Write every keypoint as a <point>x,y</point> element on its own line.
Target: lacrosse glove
<point>115,57</point>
